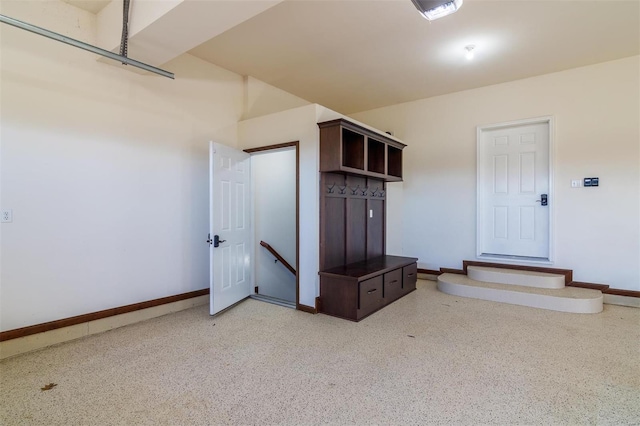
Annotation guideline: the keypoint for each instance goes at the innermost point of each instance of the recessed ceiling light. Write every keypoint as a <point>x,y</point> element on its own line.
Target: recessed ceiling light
<point>469,55</point>
<point>434,9</point>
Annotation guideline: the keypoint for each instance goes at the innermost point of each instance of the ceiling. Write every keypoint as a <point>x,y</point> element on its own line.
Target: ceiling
<point>93,6</point>
<point>355,55</point>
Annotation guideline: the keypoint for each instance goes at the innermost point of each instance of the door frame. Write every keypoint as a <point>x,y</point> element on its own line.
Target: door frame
<point>296,146</point>
<point>550,120</point>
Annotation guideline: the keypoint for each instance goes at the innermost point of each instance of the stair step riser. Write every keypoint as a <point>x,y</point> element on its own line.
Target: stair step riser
<point>589,306</point>
<point>455,285</point>
<point>514,277</point>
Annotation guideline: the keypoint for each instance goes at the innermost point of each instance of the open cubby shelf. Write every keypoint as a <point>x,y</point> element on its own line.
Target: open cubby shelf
<point>352,149</point>
<point>394,163</point>
<point>375,156</point>
<point>349,148</point>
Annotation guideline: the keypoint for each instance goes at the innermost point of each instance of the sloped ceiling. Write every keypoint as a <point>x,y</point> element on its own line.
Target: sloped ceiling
<point>355,55</point>
<point>93,6</point>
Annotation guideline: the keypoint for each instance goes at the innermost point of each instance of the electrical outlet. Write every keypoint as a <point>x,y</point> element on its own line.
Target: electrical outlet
<point>7,216</point>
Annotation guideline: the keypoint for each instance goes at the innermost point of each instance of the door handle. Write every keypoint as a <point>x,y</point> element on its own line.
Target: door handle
<point>217,240</point>
<point>543,200</point>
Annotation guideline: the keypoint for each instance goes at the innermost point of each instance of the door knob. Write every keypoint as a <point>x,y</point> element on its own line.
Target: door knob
<point>542,200</point>
<point>217,241</point>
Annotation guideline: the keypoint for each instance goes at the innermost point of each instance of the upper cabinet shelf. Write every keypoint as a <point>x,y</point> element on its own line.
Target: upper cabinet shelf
<point>349,148</point>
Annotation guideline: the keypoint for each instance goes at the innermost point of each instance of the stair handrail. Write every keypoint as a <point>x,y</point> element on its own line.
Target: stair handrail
<point>278,257</point>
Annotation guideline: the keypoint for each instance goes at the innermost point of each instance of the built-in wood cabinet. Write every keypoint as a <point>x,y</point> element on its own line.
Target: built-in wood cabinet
<point>349,148</point>
<point>356,277</point>
<point>357,290</point>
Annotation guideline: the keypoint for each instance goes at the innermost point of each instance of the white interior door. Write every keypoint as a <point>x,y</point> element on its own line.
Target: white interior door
<point>230,226</point>
<point>513,183</point>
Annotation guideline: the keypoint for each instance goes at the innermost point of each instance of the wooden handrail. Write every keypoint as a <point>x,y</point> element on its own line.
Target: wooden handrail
<point>278,257</point>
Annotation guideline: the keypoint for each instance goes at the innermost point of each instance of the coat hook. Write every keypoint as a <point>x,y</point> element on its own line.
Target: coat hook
<point>365,190</point>
<point>354,191</point>
<point>330,188</point>
<point>342,189</point>
<point>373,193</point>
<point>382,193</point>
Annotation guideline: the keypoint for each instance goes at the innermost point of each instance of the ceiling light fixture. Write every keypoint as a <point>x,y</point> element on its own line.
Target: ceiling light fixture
<point>434,9</point>
<point>469,55</point>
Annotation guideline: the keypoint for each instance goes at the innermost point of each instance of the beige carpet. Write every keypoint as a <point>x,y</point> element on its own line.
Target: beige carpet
<point>428,358</point>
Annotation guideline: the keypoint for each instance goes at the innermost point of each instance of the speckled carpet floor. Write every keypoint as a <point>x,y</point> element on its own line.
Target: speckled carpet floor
<point>429,358</point>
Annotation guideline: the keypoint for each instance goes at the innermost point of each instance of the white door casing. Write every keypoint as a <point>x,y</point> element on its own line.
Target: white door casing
<point>230,219</point>
<point>514,171</point>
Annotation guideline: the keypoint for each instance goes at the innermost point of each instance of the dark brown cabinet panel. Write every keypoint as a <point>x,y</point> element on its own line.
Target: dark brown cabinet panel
<point>356,230</point>
<point>339,298</point>
<point>334,243</point>
<point>375,228</point>
<point>331,152</point>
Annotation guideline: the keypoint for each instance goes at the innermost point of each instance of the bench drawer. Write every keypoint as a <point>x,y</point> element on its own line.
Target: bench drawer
<point>409,277</point>
<point>393,285</point>
<point>370,296</point>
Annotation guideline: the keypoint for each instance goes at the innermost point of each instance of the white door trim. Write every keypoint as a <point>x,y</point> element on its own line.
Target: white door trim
<point>480,198</point>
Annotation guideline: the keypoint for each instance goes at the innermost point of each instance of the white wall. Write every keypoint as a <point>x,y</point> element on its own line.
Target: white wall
<point>298,124</point>
<point>395,217</point>
<point>106,171</point>
<point>597,117</point>
<point>262,99</point>
<point>273,174</point>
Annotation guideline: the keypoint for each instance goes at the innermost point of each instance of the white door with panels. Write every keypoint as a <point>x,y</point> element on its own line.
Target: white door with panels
<point>230,235</point>
<point>513,190</point>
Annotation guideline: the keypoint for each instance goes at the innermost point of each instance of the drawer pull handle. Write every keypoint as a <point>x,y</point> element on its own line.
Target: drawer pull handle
<point>372,291</point>
<point>410,275</point>
<point>393,282</point>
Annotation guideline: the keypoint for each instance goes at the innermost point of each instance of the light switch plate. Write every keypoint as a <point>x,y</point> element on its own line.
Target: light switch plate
<point>575,183</point>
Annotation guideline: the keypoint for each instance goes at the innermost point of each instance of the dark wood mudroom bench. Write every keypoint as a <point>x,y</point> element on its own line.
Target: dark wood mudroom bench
<point>358,289</point>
